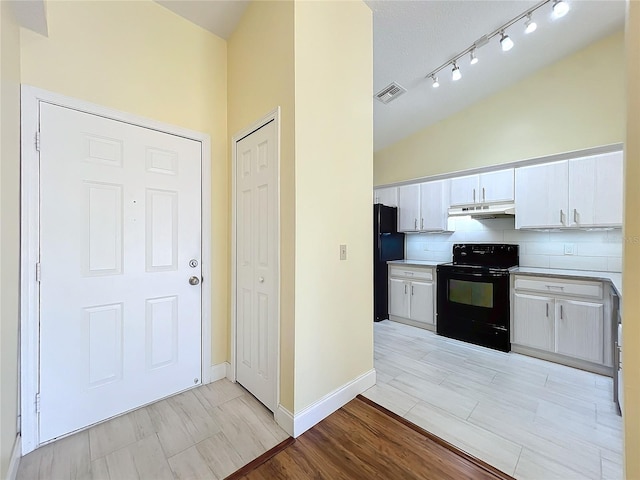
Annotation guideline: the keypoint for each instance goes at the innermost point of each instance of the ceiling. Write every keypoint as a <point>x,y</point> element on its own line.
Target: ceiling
<point>413,37</point>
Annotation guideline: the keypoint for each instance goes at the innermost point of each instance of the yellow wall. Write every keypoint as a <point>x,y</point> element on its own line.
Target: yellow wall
<point>260,79</point>
<point>570,105</point>
<point>141,58</point>
<point>631,258</point>
<point>9,229</point>
<point>334,174</point>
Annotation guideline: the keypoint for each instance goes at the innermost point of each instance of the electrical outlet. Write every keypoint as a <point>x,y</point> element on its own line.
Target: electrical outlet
<point>569,248</point>
<point>343,252</point>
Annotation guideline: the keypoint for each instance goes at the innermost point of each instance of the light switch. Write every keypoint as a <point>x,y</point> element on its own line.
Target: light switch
<point>569,248</point>
<point>343,252</point>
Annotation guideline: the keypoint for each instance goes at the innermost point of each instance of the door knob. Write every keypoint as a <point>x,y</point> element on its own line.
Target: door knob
<point>194,280</point>
<point>261,279</point>
<point>193,263</point>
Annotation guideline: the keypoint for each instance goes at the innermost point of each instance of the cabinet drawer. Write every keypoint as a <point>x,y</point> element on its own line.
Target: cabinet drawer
<point>411,273</point>
<point>560,287</point>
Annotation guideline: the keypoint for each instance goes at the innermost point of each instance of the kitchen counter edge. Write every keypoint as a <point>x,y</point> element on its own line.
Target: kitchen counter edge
<point>417,263</point>
<point>612,277</point>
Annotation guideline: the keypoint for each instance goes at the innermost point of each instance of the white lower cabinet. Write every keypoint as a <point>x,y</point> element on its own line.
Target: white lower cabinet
<point>564,320</point>
<point>533,322</point>
<point>580,330</point>
<point>411,296</point>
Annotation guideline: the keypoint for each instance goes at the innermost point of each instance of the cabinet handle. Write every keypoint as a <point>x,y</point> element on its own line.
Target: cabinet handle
<point>405,288</point>
<point>561,312</point>
<point>575,216</point>
<point>422,224</point>
<point>561,217</point>
<point>483,196</point>
<point>547,310</point>
<point>411,289</point>
<point>415,223</point>
<point>474,195</point>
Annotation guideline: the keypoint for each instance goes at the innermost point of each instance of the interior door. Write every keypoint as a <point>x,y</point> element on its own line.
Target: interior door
<point>257,269</point>
<point>120,220</point>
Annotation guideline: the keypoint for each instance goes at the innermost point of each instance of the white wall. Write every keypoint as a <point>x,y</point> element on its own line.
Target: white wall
<point>594,250</point>
<point>9,229</point>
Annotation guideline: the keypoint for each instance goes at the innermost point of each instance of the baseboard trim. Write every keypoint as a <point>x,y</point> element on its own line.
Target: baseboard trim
<point>328,404</point>
<point>14,463</point>
<point>219,371</point>
<point>284,418</point>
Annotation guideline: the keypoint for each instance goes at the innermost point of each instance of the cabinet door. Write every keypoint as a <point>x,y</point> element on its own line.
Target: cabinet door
<point>408,208</point>
<point>542,196</point>
<point>595,190</point>
<point>496,186</point>
<point>464,190</point>
<point>398,295</point>
<point>421,301</point>
<point>533,322</point>
<point>580,330</point>
<point>433,205</point>
<point>386,196</point>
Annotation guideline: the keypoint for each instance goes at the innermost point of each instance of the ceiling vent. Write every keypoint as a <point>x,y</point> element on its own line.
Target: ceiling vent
<point>390,92</point>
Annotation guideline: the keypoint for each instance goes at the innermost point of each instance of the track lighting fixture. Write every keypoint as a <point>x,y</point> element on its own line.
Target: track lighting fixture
<point>473,59</point>
<point>455,73</point>
<point>530,26</point>
<point>505,42</point>
<point>560,8</point>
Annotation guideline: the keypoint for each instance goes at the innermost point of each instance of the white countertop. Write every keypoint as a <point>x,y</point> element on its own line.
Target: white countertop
<point>419,263</point>
<point>613,277</point>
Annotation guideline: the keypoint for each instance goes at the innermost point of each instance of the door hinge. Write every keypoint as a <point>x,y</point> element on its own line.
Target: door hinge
<point>38,272</point>
<point>37,403</point>
<point>38,141</point>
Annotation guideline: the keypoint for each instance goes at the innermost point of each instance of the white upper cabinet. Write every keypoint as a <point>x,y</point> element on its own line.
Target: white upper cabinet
<point>386,196</point>
<point>423,207</point>
<point>408,208</point>
<point>541,195</point>
<point>595,191</point>
<point>434,198</point>
<point>583,192</point>
<point>464,190</point>
<point>496,186</point>
<point>490,187</point>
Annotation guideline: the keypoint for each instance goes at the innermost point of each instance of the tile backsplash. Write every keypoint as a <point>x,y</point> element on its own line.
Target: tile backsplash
<point>599,250</point>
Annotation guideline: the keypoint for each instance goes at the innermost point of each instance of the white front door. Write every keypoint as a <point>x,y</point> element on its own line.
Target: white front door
<point>120,221</point>
<point>257,269</point>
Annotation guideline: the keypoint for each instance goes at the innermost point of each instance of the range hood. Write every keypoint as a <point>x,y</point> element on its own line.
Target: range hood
<point>495,210</point>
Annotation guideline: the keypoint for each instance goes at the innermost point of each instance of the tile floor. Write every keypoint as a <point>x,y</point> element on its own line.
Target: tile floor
<point>533,419</point>
<point>207,432</point>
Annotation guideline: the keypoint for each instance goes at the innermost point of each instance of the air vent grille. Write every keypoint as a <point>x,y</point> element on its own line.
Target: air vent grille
<point>390,92</point>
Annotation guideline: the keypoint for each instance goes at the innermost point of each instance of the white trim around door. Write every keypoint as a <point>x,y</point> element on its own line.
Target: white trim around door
<point>272,116</point>
<point>29,243</point>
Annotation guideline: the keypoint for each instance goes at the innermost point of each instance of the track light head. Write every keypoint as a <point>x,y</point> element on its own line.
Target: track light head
<point>560,8</point>
<point>505,42</point>
<point>455,73</point>
<point>436,83</point>
<point>473,59</point>
<point>530,26</point>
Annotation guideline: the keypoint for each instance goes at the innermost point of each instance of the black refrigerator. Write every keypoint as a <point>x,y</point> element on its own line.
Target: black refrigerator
<point>388,244</point>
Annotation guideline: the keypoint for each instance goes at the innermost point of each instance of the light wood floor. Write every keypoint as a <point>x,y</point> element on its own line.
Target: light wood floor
<point>530,418</point>
<point>208,432</point>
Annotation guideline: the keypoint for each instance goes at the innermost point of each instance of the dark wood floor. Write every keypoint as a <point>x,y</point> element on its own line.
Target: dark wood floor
<point>364,441</point>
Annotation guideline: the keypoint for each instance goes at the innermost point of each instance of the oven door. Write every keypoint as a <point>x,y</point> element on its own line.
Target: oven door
<point>473,305</point>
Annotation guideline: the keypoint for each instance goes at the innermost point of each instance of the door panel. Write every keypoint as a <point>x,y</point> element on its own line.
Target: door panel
<point>422,302</point>
<point>120,325</point>
<point>398,303</point>
<point>580,329</point>
<point>257,271</point>
<point>533,322</point>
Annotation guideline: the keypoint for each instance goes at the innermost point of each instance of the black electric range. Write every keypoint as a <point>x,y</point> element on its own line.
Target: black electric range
<point>473,294</point>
